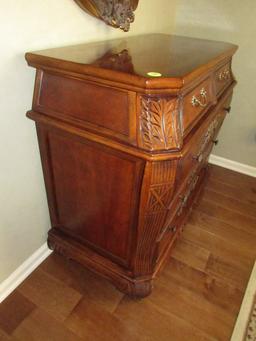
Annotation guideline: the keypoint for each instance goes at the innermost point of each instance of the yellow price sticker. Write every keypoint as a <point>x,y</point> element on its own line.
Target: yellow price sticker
<point>154,74</point>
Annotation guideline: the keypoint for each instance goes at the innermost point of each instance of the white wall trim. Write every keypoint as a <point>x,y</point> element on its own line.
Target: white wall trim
<point>233,165</point>
<point>23,271</point>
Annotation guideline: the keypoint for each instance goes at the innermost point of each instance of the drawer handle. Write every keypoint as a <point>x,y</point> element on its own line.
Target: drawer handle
<point>202,101</point>
<point>184,199</point>
<point>199,157</point>
<point>224,75</point>
<point>207,138</point>
<point>228,109</point>
<point>166,230</point>
<point>192,177</point>
<point>172,229</point>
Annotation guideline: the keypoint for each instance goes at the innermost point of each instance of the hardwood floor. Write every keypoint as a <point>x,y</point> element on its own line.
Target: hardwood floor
<point>196,297</point>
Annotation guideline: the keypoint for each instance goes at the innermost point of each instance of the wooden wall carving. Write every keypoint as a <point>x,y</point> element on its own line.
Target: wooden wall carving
<point>116,13</point>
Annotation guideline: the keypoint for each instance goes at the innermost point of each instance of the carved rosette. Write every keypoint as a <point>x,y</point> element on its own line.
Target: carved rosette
<point>160,124</point>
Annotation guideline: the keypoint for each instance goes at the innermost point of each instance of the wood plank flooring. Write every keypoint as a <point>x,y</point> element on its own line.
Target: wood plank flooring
<point>196,297</point>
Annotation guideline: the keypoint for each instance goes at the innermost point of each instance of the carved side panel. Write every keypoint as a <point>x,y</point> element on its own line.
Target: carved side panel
<point>159,179</point>
<point>160,123</point>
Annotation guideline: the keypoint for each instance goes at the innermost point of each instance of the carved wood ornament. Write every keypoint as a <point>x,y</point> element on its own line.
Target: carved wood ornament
<point>116,13</point>
<point>160,124</point>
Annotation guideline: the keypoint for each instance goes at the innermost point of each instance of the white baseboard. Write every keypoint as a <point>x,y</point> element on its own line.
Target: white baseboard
<point>23,271</point>
<point>233,165</point>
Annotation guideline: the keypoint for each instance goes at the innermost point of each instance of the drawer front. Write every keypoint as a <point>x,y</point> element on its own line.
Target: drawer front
<point>223,78</point>
<point>190,169</point>
<point>196,102</point>
<point>167,238</point>
<point>177,212</point>
<point>198,146</point>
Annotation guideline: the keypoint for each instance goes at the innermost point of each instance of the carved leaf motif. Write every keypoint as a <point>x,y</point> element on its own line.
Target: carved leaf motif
<point>160,128</point>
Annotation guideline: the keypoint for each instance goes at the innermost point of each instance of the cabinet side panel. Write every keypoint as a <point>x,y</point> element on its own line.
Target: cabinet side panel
<point>96,191</point>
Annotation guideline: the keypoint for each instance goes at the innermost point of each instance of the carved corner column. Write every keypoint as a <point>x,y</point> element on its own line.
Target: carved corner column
<point>157,189</point>
<point>159,130</point>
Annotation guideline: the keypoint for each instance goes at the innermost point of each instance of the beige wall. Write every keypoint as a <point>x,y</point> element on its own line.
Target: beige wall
<point>234,21</point>
<point>30,25</point>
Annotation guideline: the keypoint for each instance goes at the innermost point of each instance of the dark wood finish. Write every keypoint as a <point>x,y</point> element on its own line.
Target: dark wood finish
<point>124,160</point>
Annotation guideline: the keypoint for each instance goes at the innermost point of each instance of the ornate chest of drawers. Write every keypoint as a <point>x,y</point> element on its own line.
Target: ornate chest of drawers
<point>125,129</point>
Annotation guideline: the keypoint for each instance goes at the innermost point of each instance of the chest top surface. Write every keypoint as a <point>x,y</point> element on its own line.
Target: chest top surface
<point>148,61</point>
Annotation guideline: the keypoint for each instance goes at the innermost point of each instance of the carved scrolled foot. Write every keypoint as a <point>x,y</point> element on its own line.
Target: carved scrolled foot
<point>136,289</point>
<point>142,289</point>
<point>53,245</point>
<point>50,244</point>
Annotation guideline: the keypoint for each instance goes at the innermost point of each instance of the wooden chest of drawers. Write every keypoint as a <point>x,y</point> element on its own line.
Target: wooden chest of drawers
<point>125,129</point>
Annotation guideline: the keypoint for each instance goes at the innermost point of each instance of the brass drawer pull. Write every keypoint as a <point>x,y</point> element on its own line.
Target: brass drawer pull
<point>199,157</point>
<point>207,138</point>
<point>166,230</point>
<point>228,109</point>
<point>192,177</point>
<point>172,229</point>
<point>202,101</point>
<point>183,203</point>
<point>195,183</point>
<point>224,75</point>
<point>184,200</point>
